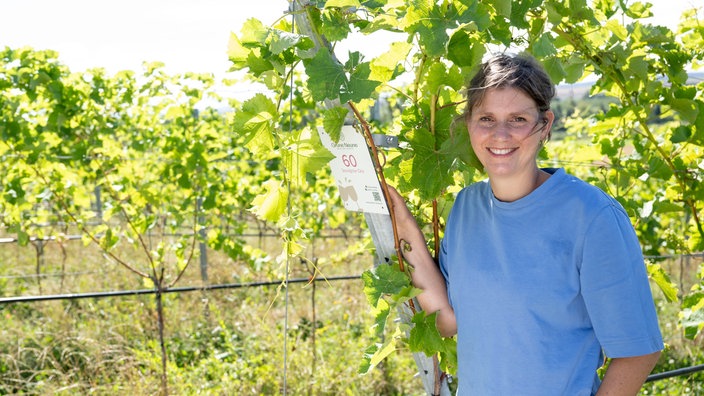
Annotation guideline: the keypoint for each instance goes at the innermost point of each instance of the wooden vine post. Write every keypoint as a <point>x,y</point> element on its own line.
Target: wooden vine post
<point>380,225</point>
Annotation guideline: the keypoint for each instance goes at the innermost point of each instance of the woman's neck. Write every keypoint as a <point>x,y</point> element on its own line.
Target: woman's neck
<point>509,189</point>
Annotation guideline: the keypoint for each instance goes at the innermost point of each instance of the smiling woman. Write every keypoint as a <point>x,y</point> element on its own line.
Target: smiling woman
<point>538,269</point>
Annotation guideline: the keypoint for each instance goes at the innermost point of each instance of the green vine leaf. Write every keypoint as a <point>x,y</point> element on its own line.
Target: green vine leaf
<point>23,238</point>
<point>660,277</point>
<point>333,121</point>
<point>282,41</point>
<point>681,134</point>
<point>638,10</point>
<point>360,86</point>
<point>427,169</point>
<point>688,109</point>
<point>692,315</point>
<point>342,3</point>
<point>617,29</point>
<point>236,52</point>
<point>381,313</point>
<point>271,204</point>
<point>425,19</point>
<point>554,68</point>
<point>327,79</point>
<point>424,336</point>
<point>459,146</point>
<point>441,76</point>
<point>390,64</point>
<point>574,69</point>
<point>503,7</point>
<point>254,33</point>
<point>334,24</point>
<point>376,353</point>
<point>248,55</point>
<point>256,121</point>
<point>325,76</point>
<point>457,49</point>
<point>544,46</point>
<point>383,279</point>
<point>305,155</point>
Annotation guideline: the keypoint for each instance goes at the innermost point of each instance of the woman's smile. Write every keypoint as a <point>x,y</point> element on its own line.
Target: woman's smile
<point>501,151</point>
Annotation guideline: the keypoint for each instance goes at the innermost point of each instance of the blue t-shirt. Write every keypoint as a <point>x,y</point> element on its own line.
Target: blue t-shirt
<point>542,287</point>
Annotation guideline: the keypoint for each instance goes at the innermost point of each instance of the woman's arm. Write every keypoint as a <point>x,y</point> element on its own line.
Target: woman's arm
<point>425,274</point>
<point>625,376</point>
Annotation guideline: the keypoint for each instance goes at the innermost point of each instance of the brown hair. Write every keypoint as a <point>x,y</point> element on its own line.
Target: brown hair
<point>501,71</point>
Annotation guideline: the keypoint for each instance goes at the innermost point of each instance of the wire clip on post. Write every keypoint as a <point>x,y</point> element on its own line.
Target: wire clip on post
<point>385,141</point>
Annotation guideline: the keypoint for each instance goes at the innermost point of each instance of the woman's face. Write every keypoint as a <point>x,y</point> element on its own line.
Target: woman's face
<point>506,130</point>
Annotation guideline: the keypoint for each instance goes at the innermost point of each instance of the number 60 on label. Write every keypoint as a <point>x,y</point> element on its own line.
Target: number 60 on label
<point>349,161</point>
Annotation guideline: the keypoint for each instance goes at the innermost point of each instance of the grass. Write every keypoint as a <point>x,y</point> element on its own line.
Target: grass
<point>218,342</point>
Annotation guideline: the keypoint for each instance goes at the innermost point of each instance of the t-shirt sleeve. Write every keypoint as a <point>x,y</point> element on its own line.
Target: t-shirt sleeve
<point>443,267</point>
<point>615,287</point>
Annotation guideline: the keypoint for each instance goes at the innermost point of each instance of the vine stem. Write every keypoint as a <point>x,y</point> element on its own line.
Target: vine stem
<point>162,343</point>
<point>384,188</point>
<point>83,228</point>
<point>196,225</point>
<point>382,179</point>
<point>436,221</point>
<point>436,230</point>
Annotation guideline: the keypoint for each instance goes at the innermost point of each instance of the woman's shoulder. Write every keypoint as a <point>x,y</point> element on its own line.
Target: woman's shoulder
<point>578,192</point>
<point>478,189</point>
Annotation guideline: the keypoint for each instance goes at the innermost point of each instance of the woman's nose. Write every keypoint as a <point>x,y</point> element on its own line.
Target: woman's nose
<point>501,130</point>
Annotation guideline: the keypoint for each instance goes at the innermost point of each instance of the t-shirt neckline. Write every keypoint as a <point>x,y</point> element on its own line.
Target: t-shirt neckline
<point>533,196</point>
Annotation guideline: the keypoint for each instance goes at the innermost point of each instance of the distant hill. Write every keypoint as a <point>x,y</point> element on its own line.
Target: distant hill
<point>573,91</point>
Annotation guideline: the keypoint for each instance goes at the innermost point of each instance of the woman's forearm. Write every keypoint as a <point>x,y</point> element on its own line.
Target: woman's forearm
<point>625,376</point>
<point>427,276</point>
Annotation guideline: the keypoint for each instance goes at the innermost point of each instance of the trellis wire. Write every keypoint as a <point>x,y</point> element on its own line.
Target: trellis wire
<point>245,235</point>
<point>182,289</point>
<point>674,373</point>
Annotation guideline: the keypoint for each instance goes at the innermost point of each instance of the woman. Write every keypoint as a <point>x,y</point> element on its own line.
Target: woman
<point>541,274</point>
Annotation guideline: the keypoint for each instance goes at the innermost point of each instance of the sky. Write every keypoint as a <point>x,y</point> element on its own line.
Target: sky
<point>187,35</point>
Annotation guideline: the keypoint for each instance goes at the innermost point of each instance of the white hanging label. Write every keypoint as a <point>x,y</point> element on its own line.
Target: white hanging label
<point>354,172</point>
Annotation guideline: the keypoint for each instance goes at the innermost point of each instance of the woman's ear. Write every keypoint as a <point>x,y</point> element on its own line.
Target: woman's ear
<point>548,119</point>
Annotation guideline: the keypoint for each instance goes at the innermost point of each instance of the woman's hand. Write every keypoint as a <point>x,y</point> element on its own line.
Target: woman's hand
<point>406,226</point>
<point>425,274</point>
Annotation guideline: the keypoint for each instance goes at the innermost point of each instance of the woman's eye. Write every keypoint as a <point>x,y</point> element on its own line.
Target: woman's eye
<point>518,122</point>
<point>486,121</point>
